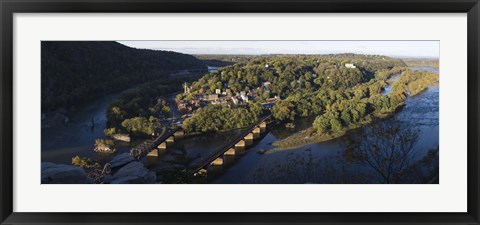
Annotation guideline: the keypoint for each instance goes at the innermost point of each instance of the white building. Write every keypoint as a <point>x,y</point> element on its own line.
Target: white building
<point>350,65</point>
<point>244,97</point>
<point>234,100</point>
<point>186,88</point>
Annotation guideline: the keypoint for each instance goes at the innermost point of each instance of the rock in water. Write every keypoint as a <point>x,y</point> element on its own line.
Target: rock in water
<point>120,160</point>
<point>134,173</point>
<point>132,169</point>
<point>150,178</point>
<point>63,174</point>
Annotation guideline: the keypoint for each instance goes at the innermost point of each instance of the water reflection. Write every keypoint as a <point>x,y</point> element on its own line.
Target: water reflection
<point>334,161</point>
<point>328,162</point>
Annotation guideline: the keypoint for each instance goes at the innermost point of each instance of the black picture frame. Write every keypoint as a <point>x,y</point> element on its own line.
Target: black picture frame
<point>9,7</point>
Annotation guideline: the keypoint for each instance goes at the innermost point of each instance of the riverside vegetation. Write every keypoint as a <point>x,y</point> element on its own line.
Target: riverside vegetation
<point>321,86</point>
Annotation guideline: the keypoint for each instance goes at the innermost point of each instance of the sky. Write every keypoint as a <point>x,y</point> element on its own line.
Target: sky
<point>415,49</point>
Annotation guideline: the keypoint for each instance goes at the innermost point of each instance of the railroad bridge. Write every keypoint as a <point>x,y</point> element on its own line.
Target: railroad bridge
<point>154,147</point>
<point>237,146</point>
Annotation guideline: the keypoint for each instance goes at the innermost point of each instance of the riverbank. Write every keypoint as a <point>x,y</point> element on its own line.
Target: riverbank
<point>310,135</point>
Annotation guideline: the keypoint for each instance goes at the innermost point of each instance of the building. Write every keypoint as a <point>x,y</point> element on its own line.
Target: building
<point>272,100</point>
<point>268,105</point>
<point>195,102</point>
<point>235,100</point>
<point>218,91</point>
<point>350,65</point>
<point>212,97</point>
<point>186,88</point>
<point>244,97</point>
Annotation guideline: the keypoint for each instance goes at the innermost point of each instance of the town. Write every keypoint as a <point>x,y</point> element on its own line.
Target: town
<point>222,97</point>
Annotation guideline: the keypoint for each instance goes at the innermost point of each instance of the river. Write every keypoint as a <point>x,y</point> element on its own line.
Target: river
<point>330,162</point>
<point>60,143</point>
<point>325,162</point>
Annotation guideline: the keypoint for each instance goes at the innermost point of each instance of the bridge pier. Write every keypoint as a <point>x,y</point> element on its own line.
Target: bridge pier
<point>153,153</point>
<point>249,136</point>
<point>240,147</point>
<point>256,132</point>
<point>162,145</point>
<point>156,152</point>
<point>229,156</point>
<point>179,134</point>
<point>228,159</point>
<point>249,139</point>
<point>231,151</point>
<point>214,170</point>
<point>217,162</point>
<point>170,140</point>
<point>200,173</point>
<point>263,126</point>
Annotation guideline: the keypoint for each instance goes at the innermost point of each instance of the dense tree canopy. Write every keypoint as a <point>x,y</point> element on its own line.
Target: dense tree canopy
<point>222,117</point>
<point>414,82</point>
<point>148,100</point>
<point>313,85</point>
<point>140,125</point>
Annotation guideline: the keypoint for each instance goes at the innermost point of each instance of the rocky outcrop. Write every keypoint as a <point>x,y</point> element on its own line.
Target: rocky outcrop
<point>63,174</point>
<point>120,160</point>
<point>132,173</point>
<point>122,169</point>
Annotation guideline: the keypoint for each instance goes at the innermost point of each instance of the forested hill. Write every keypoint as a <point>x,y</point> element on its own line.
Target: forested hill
<point>296,73</point>
<point>77,71</point>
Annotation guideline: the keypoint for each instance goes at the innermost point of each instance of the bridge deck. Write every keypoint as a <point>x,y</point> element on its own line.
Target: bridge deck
<point>199,165</point>
<point>145,147</point>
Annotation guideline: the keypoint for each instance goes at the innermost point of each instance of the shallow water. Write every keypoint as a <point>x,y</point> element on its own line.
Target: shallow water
<point>330,160</point>
<point>330,157</point>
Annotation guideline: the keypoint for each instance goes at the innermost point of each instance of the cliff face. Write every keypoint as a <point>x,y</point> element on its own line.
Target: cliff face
<point>77,71</point>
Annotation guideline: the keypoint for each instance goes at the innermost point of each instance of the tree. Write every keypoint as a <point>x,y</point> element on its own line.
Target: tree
<point>355,115</point>
<point>387,148</point>
<point>346,118</point>
<point>266,95</point>
<point>213,118</point>
<point>140,125</point>
<point>322,124</point>
<point>256,108</point>
<point>335,124</point>
<point>361,108</point>
<point>284,110</point>
<point>115,114</point>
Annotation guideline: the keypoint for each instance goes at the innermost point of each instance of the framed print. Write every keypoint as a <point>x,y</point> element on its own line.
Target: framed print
<point>261,112</point>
